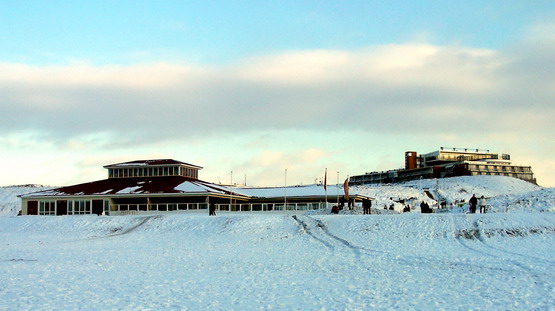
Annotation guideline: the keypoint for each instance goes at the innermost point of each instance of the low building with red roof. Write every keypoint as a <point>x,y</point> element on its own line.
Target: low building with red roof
<point>166,185</point>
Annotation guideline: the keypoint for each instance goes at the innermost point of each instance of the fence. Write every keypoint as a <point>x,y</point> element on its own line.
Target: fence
<point>267,207</point>
<point>132,209</point>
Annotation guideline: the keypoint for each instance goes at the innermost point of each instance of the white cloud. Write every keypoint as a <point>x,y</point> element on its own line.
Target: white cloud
<point>420,90</point>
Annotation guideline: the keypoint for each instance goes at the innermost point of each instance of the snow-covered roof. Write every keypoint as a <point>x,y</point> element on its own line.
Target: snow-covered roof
<point>155,162</point>
<point>294,191</point>
<point>139,185</point>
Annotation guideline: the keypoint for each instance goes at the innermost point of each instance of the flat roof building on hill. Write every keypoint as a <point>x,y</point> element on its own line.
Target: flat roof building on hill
<point>448,162</point>
<point>167,185</point>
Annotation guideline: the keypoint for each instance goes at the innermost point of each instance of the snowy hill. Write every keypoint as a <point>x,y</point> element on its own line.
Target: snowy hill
<point>500,191</point>
<point>10,204</point>
<point>261,261</point>
<point>278,261</point>
<point>503,193</point>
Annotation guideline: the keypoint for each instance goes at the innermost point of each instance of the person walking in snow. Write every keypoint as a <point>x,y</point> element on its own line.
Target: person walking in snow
<point>422,207</point>
<point>482,203</point>
<point>211,210</point>
<point>366,206</point>
<point>473,203</point>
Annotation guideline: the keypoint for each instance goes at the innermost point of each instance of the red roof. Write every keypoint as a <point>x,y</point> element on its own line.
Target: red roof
<point>138,185</point>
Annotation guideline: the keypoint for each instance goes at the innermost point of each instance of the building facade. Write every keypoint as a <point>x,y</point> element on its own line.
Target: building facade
<point>448,162</point>
<point>166,185</point>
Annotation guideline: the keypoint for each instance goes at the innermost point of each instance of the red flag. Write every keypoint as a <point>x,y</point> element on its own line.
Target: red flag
<point>326,180</point>
<point>346,189</point>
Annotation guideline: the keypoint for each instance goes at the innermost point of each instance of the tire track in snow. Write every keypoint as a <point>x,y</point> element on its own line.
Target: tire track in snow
<point>135,227</point>
<point>511,260</point>
<point>481,238</point>
<point>476,233</point>
<point>306,229</point>
<point>325,230</point>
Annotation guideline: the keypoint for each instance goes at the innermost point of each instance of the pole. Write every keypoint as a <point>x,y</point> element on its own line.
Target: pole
<point>230,197</point>
<point>285,189</point>
<point>337,188</point>
<point>326,186</point>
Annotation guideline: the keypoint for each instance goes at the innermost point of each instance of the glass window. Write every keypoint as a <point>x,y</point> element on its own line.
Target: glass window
<point>106,207</point>
<point>47,208</point>
<point>82,207</point>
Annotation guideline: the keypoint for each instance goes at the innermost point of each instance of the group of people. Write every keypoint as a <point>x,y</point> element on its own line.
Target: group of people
<point>475,202</point>
<point>425,208</point>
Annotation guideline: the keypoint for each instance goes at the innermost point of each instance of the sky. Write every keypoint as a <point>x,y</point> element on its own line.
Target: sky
<point>271,93</point>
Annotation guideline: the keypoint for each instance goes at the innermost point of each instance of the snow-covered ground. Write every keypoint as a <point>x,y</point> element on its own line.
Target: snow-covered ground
<point>10,204</point>
<point>502,260</point>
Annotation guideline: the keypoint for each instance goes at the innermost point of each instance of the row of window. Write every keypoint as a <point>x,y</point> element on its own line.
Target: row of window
<point>152,172</point>
<point>497,168</point>
<point>47,208</point>
<point>72,207</point>
<point>521,176</point>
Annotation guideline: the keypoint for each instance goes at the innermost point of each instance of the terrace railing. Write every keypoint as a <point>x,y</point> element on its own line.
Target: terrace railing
<point>132,209</point>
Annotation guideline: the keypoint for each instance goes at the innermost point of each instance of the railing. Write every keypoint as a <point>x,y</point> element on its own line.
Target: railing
<point>268,207</point>
<point>164,207</point>
<point>132,209</point>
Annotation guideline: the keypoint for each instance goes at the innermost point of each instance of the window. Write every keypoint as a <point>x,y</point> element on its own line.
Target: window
<point>82,207</point>
<point>47,208</point>
<point>106,207</point>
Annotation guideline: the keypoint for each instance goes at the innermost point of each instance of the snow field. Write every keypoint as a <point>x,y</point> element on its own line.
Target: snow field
<point>250,261</point>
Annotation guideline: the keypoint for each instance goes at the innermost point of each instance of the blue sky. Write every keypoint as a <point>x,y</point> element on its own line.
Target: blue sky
<point>260,87</point>
<point>115,32</point>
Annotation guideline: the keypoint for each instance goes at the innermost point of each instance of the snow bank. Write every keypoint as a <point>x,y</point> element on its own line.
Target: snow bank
<point>503,193</point>
<point>10,204</point>
<point>250,261</point>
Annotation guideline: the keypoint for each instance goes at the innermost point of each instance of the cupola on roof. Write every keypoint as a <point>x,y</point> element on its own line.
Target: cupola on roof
<point>152,168</point>
<point>155,162</point>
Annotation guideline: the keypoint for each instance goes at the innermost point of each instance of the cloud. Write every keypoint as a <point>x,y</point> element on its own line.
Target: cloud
<point>421,88</point>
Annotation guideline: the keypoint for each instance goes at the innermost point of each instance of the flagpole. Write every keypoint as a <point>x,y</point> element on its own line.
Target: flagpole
<point>346,191</point>
<point>230,197</point>
<point>325,186</point>
<point>337,188</point>
<point>285,189</point>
